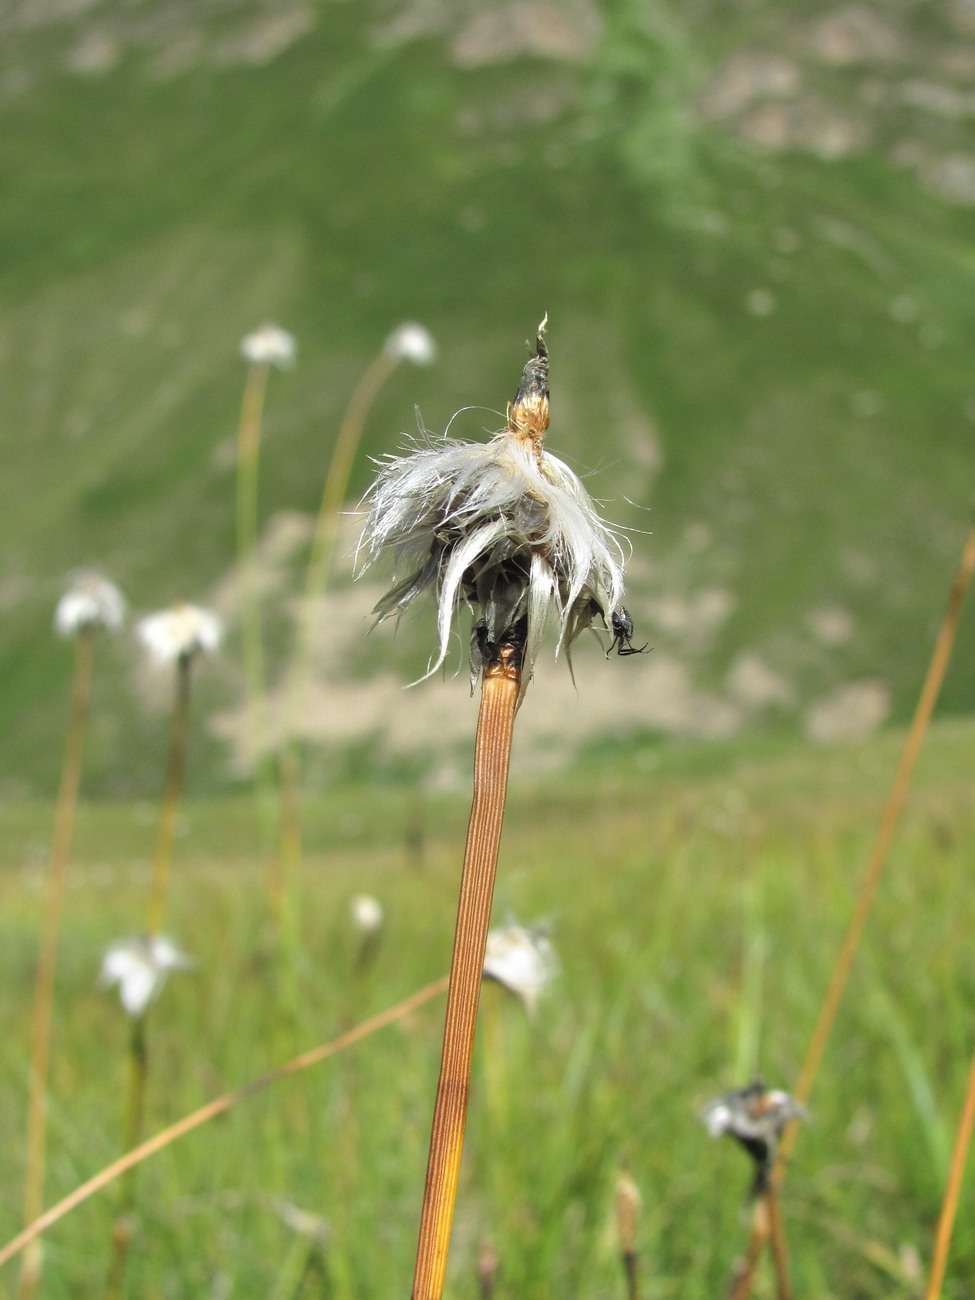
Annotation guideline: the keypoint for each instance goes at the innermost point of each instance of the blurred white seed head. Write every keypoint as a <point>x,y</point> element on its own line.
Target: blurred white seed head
<point>755,1117</point>
<point>367,913</point>
<point>522,960</point>
<point>90,601</point>
<point>180,633</point>
<point>140,966</point>
<point>269,345</point>
<point>411,342</point>
<point>503,527</point>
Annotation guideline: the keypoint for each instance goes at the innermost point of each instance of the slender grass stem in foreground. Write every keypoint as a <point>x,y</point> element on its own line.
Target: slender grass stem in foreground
<point>219,1106</point>
<point>889,821</point>
<point>949,1206</point>
<point>509,530</point>
<point>91,603</point>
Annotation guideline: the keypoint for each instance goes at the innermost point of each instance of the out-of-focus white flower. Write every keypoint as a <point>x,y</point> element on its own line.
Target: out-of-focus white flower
<point>503,526</point>
<point>90,601</point>
<point>139,967</point>
<point>367,913</point>
<point>522,960</point>
<point>269,345</point>
<point>756,1117</point>
<point>180,633</point>
<point>411,342</point>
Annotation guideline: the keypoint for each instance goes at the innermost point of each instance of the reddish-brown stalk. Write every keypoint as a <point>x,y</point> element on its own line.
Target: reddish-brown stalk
<point>492,752</point>
<point>949,1206</point>
<point>890,819</point>
<point>211,1110</point>
<point>40,1054</point>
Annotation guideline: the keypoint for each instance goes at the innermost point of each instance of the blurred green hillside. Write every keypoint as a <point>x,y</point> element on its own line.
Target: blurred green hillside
<point>752,229</point>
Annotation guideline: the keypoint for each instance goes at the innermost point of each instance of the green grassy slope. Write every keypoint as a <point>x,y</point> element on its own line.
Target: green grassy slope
<point>789,337</point>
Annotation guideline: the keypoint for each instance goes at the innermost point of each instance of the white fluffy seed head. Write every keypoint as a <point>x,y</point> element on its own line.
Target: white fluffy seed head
<point>140,967</point>
<point>522,960</point>
<point>411,342</point>
<point>367,913</point>
<point>503,527</point>
<point>91,601</point>
<point>269,345</point>
<point>180,633</point>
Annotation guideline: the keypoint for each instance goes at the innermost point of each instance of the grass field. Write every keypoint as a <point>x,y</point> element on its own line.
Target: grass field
<point>696,897</point>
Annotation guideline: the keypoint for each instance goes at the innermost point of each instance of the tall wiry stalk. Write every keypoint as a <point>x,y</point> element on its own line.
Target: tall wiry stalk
<point>175,636</point>
<point>889,821</point>
<point>949,1205</point>
<point>507,529</point>
<point>409,342</point>
<point>492,753</point>
<point>40,1051</point>
<point>266,347</point>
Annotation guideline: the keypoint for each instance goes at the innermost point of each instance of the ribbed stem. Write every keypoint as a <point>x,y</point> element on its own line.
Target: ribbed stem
<point>949,1206</point>
<point>492,752</point>
<point>175,772</point>
<point>41,1020</point>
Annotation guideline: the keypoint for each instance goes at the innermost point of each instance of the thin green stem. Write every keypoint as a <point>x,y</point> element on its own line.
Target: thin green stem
<point>42,1016</point>
<point>248,466</point>
<point>124,1225</point>
<point>172,794</point>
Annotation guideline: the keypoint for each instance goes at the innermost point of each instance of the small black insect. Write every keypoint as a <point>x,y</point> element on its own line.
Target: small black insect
<point>622,625</point>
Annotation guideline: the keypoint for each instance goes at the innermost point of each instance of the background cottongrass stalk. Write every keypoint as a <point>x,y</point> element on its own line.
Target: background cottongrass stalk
<point>174,636</point>
<point>266,347</point>
<point>89,604</point>
<point>409,342</point>
<point>509,530</point>
<point>889,821</point>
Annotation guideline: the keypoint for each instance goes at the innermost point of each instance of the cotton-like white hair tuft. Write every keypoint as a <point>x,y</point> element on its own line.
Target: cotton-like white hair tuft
<point>503,526</point>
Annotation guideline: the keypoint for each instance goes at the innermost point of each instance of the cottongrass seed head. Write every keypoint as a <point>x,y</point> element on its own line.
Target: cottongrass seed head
<point>411,342</point>
<point>755,1117</point>
<point>522,960</point>
<point>503,526</point>
<point>91,601</point>
<point>367,913</point>
<point>269,345</point>
<point>140,967</point>
<point>180,633</point>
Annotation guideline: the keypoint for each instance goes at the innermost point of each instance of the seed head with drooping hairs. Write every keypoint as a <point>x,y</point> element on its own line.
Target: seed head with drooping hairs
<point>504,526</point>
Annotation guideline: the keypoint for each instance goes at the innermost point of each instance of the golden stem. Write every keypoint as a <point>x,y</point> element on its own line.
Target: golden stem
<point>949,1206</point>
<point>41,1020</point>
<point>316,582</point>
<point>940,656</point>
<point>492,752</point>
<point>777,1238</point>
<point>741,1286</point>
<point>175,772</point>
<point>219,1106</point>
